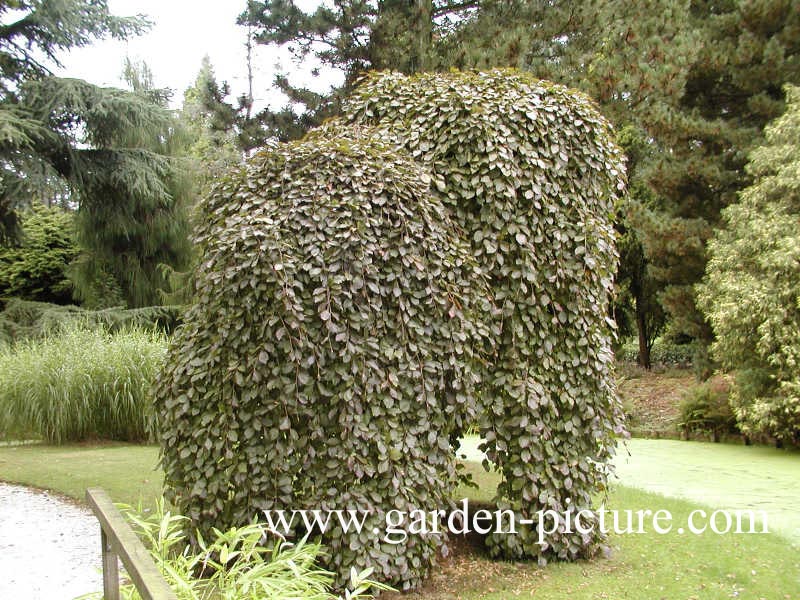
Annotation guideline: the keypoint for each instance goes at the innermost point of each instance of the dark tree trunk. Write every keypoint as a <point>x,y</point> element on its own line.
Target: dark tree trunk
<point>642,329</point>
<point>423,34</point>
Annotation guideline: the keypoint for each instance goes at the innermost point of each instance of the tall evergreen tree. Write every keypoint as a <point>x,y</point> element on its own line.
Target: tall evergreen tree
<point>32,34</point>
<point>108,151</point>
<point>733,88</point>
<point>352,36</point>
<point>210,120</point>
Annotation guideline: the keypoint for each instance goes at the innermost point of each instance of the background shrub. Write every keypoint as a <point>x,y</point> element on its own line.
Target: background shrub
<point>530,171</point>
<point>81,384</point>
<point>752,289</point>
<point>664,352</point>
<point>36,267</point>
<point>329,361</point>
<point>706,407</point>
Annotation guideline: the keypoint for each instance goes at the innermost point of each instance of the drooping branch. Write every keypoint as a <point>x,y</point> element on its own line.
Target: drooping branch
<point>455,7</point>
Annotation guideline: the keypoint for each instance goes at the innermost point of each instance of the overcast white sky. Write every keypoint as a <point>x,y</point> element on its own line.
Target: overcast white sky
<point>182,33</point>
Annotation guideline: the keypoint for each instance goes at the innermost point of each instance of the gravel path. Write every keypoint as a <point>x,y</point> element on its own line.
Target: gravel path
<point>49,548</point>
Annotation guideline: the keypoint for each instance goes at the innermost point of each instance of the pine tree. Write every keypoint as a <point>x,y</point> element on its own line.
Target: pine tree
<point>733,88</point>
<point>353,36</point>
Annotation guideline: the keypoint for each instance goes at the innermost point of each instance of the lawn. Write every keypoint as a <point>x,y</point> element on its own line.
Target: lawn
<point>638,566</point>
<point>128,473</point>
<point>720,475</point>
<point>641,567</point>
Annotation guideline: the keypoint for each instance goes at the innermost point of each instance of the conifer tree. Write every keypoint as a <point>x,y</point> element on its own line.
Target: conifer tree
<point>210,120</point>
<point>32,34</point>
<point>700,80</point>
<point>106,151</point>
<point>353,36</point>
<point>733,88</point>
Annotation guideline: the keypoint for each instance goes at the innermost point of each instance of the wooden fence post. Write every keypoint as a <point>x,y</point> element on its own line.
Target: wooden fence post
<point>119,540</point>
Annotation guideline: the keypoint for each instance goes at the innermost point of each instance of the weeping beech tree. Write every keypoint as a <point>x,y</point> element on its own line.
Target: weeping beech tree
<point>332,352</point>
<point>530,171</point>
<point>356,310</point>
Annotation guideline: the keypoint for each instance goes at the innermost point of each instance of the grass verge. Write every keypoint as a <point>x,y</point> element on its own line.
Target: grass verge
<point>129,474</point>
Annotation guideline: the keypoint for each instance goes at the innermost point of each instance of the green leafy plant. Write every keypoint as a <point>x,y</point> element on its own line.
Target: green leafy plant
<point>332,356</point>
<point>241,563</point>
<point>753,283</point>
<point>664,352</point>
<point>530,172</point>
<point>25,320</point>
<point>706,407</point>
<point>35,267</point>
<point>81,384</point>
<point>343,320</point>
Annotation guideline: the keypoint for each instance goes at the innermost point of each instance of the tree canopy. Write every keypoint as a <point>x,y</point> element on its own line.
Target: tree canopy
<point>752,288</point>
<point>356,36</point>
<point>38,30</point>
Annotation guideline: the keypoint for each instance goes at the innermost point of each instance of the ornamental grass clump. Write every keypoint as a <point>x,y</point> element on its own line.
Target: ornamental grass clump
<point>530,172</point>
<point>332,355</point>
<point>81,384</point>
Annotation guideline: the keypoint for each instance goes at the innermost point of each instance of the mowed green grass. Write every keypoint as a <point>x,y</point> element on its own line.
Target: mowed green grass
<point>720,475</point>
<point>641,567</point>
<point>648,566</point>
<point>129,474</point>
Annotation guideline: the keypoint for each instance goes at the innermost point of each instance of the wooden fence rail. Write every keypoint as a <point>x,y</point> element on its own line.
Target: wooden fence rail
<point>119,540</point>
